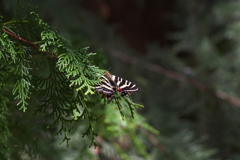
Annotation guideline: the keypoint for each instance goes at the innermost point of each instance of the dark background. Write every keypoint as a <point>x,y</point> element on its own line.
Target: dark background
<point>183,54</point>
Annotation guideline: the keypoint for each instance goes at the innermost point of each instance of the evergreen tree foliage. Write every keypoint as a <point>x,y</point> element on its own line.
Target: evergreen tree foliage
<point>53,85</point>
<point>189,90</point>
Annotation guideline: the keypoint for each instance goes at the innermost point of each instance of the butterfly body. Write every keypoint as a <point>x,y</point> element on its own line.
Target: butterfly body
<point>111,83</point>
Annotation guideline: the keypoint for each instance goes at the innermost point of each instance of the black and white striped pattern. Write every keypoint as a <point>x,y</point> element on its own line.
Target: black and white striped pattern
<point>111,83</point>
<point>124,85</point>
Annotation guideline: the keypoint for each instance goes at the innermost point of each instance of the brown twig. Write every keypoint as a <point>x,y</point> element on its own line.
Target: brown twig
<point>21,39</point>
<point>177,76</point>
<point>27,42</point>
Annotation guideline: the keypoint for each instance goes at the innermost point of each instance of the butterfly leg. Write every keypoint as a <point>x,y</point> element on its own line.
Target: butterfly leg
<point>109,97</point>
<point>123,94</point>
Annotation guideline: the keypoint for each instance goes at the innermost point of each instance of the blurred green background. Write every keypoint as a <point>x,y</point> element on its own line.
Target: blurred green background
<point>184,55</point>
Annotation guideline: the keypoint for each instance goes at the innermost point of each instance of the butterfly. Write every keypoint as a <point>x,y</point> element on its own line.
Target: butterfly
<point>111,83</point>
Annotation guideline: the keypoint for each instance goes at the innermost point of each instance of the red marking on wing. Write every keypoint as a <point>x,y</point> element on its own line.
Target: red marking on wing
<point>120,90</point>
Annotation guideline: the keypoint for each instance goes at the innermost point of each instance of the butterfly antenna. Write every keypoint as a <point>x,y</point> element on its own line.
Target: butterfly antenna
<point>109,68</point>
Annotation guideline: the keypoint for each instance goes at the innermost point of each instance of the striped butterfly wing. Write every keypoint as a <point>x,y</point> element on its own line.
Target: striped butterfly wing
<point>111,83</point>
<point>123,86</point>
<point>105,87</point>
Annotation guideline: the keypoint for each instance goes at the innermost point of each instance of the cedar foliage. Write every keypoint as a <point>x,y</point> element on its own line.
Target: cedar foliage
<point>194,124</point>
<point>52,84</point>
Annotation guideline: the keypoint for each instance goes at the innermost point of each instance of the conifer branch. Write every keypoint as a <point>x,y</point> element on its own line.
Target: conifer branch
<point>21,39</point>
<point>68,84</point>
<point>25,41</point>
